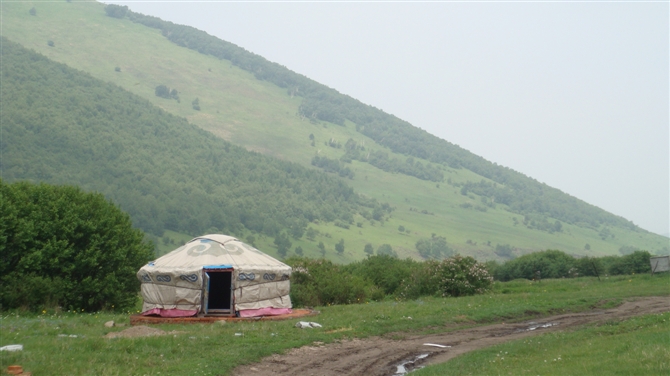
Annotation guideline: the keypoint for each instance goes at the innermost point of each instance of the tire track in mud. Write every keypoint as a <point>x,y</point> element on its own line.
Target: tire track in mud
<point>381,356</point>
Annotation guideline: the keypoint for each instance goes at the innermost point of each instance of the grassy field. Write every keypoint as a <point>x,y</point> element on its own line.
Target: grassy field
<point>638,346</point>
<point>62,342</point>
<point>263,117</point>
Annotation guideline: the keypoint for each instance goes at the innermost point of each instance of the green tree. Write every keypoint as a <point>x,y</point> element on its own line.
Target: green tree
<point>322,248</point>
<point>196,104</point>
<point>298,251</point>
<point>368,249</point>
<point>401,228</point>
<point>339,247</point>
<point>162,91</point>
<point>116,11</point>
<point>283,244</point>
<point>386,249</point>
<point>64,247</point>
<point>33,11</point>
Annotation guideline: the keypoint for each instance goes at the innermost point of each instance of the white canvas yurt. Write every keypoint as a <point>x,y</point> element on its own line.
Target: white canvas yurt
<point>215,275</point>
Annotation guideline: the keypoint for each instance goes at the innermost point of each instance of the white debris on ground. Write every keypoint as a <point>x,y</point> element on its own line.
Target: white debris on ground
<point>306,324</point>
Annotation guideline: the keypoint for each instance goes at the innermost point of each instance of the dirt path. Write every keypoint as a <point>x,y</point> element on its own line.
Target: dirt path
<point>381,356</point>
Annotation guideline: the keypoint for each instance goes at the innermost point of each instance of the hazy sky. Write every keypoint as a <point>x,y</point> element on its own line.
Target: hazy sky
<point>573,94</point>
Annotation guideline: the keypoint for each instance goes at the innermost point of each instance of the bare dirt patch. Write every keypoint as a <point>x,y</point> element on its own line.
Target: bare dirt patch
<point>381,356</point>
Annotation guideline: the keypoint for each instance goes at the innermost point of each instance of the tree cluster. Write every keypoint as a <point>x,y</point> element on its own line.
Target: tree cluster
<point>65,247</point>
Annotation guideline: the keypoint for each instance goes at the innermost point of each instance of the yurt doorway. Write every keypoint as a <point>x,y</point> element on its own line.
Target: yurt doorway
<point>218,294</point>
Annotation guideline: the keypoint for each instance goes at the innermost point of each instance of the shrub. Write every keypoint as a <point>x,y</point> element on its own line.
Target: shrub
<point>460,276</point>
<point>64,247</point>
<point>550,264</point>
<point>454,276</point>
<point>636,262</point>
<point>384,271</point>
<point>320,282</point>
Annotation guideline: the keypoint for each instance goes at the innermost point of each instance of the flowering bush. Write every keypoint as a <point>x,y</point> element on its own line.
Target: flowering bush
<point>454,276</point>
<point>459,276</point>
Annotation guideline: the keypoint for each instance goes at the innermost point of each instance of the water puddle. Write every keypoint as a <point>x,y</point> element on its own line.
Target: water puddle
<point>402,367</point>
<point>534,325</point>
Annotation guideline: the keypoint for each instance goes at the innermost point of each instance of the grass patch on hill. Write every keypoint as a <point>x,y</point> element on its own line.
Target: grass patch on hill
<point>72,343</point>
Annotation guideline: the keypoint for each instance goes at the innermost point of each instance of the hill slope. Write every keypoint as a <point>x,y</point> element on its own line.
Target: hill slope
<point>435,187</point>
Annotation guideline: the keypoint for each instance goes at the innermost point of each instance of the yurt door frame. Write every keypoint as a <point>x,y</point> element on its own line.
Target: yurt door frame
<point>217,297</point>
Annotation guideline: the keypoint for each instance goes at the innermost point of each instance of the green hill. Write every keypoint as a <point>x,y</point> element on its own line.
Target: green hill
<point>434,187</point>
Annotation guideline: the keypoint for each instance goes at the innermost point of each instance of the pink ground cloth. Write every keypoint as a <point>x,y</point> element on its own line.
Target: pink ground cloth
<point>171,312</point>
<point>265,312</point>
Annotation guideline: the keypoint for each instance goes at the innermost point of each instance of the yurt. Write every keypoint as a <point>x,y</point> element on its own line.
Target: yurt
<point>215,275</point>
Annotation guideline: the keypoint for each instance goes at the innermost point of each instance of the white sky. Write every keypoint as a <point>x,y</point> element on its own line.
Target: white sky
<point>573,94</point>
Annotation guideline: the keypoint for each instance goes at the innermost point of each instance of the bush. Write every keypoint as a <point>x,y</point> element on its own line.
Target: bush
<point>550,264</point>
<point>636,262</point>
<point>384,271</point>
<point>454,276</point>
<point>320,282</point>
<point>64,247</point>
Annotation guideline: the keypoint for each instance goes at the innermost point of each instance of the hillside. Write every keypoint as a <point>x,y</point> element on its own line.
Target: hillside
<point>435,187</point>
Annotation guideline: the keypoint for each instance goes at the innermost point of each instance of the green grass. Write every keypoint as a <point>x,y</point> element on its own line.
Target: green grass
<point>638,346</point>
<point>262,117</point>
<point>211,349</point>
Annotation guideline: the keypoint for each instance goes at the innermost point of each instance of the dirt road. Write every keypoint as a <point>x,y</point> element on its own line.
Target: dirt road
<point>381,356</point>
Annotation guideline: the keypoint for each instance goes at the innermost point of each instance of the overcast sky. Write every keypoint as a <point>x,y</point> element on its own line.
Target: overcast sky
<point>573,94</point>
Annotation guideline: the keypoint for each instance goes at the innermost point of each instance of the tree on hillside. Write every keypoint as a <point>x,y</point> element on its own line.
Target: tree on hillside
<point>116,11</point>
<point>339,247</point>
<point>64,247</point>
<point>283,244</point>
<point>368,249</point>
<point>386,249</point>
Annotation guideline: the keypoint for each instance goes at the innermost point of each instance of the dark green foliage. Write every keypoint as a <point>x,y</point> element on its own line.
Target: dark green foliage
<point>322,248</point>
<point>339,247</point>
<point>557,264</point>
<point>550,264</point>
<point>116,11</point>
<point>64,247</point>
<point>165,172</point>
<point>434,248</point>
<point>162,91</point>
<point>386,249</point>
<point>368,249</point>
<point>332,165</point>
<point>385,271</point>
<point>320,282</point>
<point>627,250</point>
<point>196,104</point>
<point>636,262</point>
<point>117,69</point>
<point>299,251</point>
<point>51,43</point>
<point>33,11</point>
<point>504,250</point>
<point>283,244</point>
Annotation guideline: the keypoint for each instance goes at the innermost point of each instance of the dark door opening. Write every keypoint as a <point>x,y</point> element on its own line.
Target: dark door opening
<point>219,297</point>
